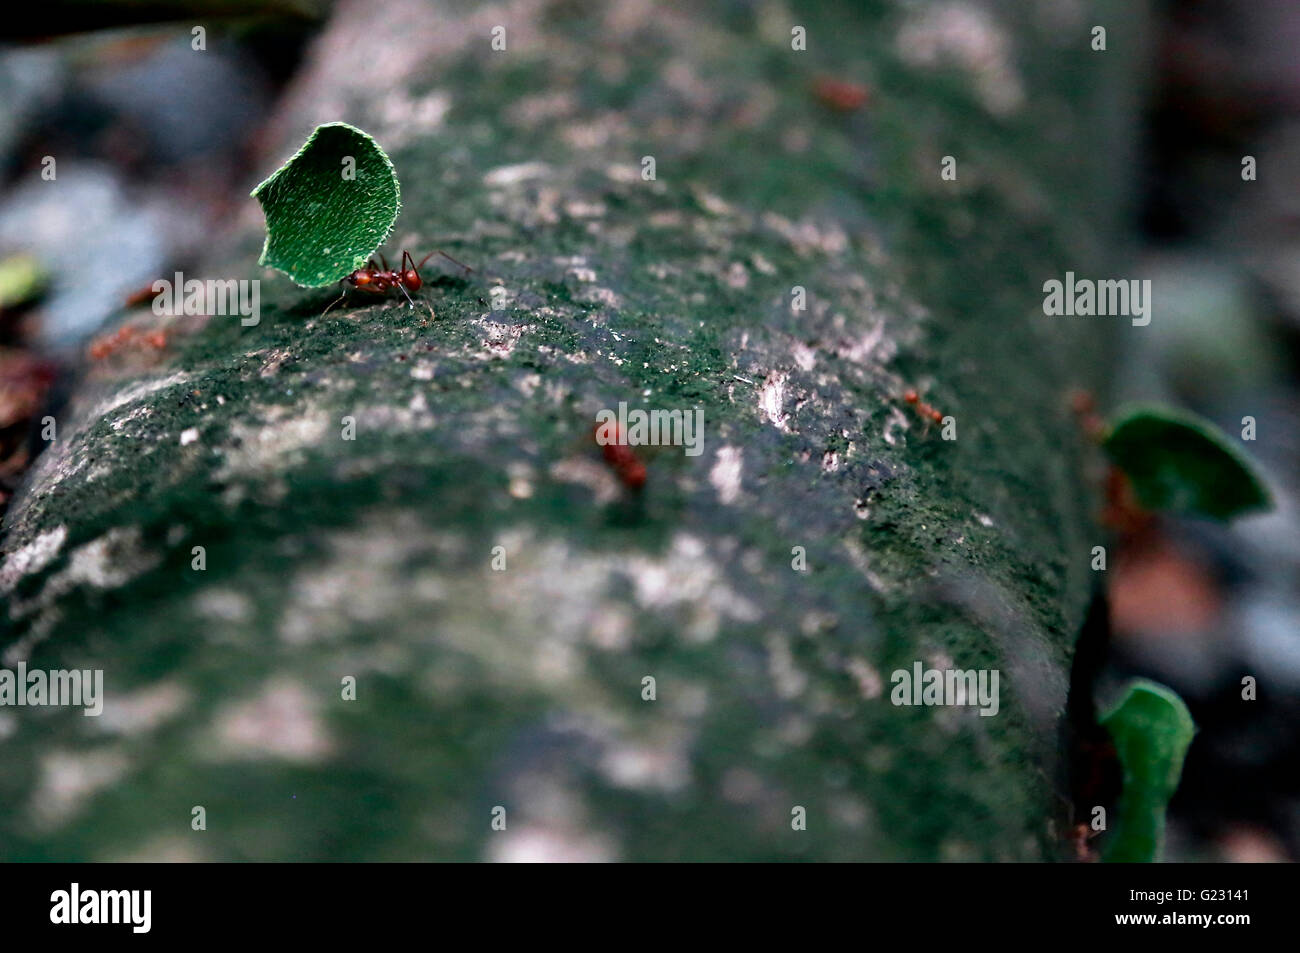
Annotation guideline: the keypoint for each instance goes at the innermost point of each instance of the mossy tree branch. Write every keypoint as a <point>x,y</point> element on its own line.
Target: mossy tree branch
<point>372,557</point>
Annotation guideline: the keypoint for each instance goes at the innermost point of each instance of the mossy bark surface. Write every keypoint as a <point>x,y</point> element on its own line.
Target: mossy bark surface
<point>373,557</point>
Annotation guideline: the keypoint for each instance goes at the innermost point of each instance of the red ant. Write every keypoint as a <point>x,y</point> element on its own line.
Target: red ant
<point>108,344</point>
<point>376,280</point>
<point>622,459</point>
<point>840,95</point>
<point>1080,834</point>
<point>1123,512</point>
<point>1084,406</point>
<point>925,410</point>
<point>144,296</point>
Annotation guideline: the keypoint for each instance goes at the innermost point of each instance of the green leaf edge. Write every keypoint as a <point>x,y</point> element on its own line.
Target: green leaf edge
<point>1142,803</point>
<point>359,260</point>
<point>1212,432</point>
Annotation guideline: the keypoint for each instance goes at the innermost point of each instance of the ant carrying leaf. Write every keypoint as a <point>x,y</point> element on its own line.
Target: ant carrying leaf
<point>380,279</point>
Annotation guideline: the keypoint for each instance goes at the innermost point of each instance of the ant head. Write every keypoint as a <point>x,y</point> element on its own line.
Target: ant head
<point>411,278</point>
<point>361,278</point>
<point>911,396</point>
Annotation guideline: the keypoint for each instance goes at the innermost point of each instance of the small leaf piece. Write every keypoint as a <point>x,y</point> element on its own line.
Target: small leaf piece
<point>1151,728</point>
<point>329,207</point>
<point>22,279</point>
<point>1181,463</point>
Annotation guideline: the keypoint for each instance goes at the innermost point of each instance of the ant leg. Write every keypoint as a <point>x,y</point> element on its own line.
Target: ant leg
<point>408,259</point>
<point>925,430</point>
<point>384,261</point>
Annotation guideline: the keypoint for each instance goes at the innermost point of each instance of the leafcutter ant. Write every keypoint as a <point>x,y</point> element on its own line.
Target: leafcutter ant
<point>622,459</point>
<point>928,413</point>
<point>380,279</point>
<point>841,95</point>
<point>1080,835</point>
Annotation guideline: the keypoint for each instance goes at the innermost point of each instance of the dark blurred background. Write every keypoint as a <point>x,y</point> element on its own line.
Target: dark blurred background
<point>1200,606</point>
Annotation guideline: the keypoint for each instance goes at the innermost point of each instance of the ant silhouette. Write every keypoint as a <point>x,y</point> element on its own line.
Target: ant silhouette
<point>374,279</point>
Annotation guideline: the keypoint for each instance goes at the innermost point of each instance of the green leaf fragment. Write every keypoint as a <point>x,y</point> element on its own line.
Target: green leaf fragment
<point>1152,729</point>
<point>22,279</point>
<point>1181,463</point>
<point>329,207</point>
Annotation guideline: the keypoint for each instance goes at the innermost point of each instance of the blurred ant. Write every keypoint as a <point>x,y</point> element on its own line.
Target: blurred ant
<point>1084,406</point>
<point>144,295</point>
<point>374,279</point>
<point>930,414</point>
<point>1079,836</point>
<point>126,336</point>
<point>622,459</point>
<point>840,95</point>
<point>1122,512</point>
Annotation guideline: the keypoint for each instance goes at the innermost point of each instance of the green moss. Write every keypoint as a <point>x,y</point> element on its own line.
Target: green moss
<point>327,556</point>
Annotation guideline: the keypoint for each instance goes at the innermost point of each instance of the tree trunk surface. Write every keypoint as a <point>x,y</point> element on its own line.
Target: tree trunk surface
<point>770,586</point>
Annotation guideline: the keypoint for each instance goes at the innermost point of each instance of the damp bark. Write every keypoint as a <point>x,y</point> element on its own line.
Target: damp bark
<point>345,481</point>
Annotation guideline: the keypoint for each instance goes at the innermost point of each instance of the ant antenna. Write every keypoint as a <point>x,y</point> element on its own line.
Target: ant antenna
<point>335,301</point>
<point>455,262</point>
<point>458,264</point>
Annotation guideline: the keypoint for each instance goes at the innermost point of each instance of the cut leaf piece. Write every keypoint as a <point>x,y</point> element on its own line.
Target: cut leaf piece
<point>329,207</point>
<point>22,280</point>
<point>1151,728</point>
<point>1181,463</point>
